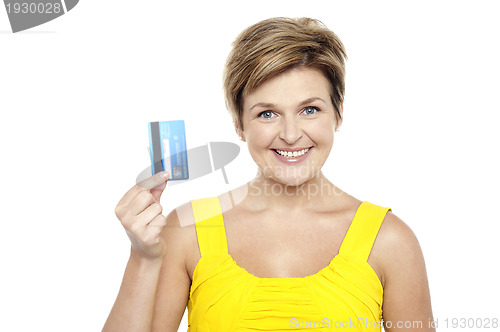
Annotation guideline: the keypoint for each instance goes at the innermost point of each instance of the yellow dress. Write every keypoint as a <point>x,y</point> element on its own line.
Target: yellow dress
<point>346,294</point>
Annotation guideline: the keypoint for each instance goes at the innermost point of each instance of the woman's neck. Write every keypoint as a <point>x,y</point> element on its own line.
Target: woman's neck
<point>266,193</point>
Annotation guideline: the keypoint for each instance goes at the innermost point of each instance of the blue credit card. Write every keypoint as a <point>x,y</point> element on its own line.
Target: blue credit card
<point>167,147</point>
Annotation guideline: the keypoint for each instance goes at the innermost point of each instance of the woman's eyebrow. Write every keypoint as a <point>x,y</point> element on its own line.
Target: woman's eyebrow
<point>264,105</point>
<point>311,100</point>
<point>303,103</point>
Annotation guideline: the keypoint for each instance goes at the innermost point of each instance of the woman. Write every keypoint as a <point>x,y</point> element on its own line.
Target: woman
<point>288,250</point>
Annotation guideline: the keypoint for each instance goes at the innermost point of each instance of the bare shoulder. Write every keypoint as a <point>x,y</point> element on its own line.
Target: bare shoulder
<point>394,232</point>
<point>403,274</point>
<point>180,223</point>
<point>396,247</point>
<point>180,233</point>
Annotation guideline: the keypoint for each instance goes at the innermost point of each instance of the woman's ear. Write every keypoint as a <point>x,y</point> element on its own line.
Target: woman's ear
<point>238,130</point>
<point>339,121</point>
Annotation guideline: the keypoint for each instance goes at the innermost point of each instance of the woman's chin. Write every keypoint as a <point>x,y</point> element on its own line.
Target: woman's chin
<point>291,181</point>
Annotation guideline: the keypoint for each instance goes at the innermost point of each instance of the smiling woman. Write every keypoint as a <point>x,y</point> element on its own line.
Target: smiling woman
<point>297,120</point>
<point>277,45</point>
<point>289,246</point>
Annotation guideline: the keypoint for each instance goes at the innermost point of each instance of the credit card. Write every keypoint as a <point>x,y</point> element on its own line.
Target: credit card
<point>167,147</point>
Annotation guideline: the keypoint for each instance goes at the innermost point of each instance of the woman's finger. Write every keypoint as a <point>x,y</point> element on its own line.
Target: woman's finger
<point>154,181</point>
<point>150,213</point>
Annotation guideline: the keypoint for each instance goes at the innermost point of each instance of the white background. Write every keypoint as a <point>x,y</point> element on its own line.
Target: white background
<point>420,135</point>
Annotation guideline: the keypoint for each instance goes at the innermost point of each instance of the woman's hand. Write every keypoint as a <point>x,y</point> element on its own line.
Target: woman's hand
<point>140,213</point>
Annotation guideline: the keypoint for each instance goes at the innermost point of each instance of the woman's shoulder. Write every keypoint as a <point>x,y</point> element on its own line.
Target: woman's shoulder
<point>393,229</point>
<point>396,247</point>
<point>395,233</point>
<point>181,216</point>
<point>180,233</point>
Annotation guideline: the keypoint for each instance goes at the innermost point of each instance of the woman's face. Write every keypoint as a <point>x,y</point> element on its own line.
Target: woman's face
<point>290,113</point>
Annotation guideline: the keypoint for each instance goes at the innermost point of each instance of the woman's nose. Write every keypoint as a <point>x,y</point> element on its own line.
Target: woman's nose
<point>290,130</point>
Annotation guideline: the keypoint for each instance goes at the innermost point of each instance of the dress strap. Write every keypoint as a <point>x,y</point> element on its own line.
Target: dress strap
<point>363,230</point>
<point>209,226</point>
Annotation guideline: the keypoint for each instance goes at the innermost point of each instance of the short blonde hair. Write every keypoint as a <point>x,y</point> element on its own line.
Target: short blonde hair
<point>274,46</point>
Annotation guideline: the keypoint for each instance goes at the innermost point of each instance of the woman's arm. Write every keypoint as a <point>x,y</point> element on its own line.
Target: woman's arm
<point>172,293</point>
<point>133,308</point>
<point>155,247</point>
<point>406,304</point>
<point>154,293</point>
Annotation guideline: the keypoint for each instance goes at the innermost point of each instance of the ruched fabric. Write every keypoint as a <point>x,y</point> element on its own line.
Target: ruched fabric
<point>346,294</point>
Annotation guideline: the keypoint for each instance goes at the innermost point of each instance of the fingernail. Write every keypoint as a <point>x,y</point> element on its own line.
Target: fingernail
<point>166,175</point>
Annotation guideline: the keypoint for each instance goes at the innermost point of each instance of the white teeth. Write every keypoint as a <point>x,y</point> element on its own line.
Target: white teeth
<point>290,154</point>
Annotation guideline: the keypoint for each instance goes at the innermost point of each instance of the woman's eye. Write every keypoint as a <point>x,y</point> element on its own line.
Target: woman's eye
<point>311,110</point>
<point>266,114</point>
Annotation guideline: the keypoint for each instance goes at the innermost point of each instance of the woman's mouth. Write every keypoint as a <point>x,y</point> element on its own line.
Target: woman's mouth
<point>289,156</point>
